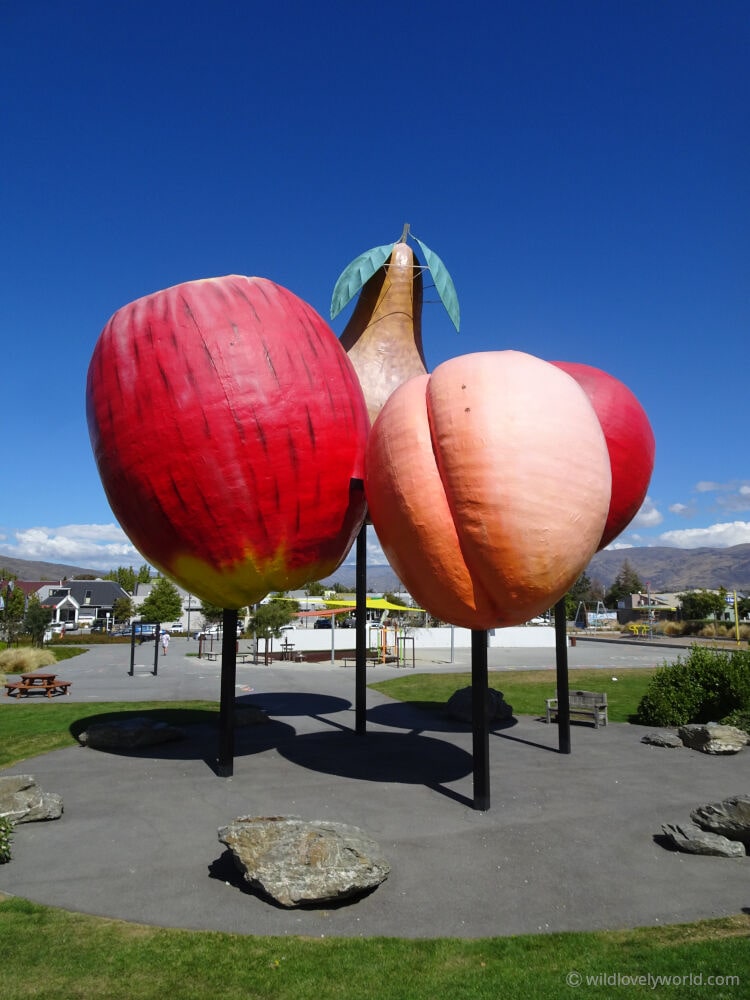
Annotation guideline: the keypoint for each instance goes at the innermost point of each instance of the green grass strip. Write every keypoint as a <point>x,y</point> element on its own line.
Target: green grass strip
<point>525,690</point>
<point>55,954</point>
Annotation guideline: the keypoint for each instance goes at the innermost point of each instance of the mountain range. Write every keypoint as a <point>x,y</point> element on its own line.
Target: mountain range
<point>662,569</point>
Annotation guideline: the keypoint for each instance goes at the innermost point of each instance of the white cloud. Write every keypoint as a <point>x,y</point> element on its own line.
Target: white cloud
<point>717,536</point>
<point>707,486</point>
<point>681,509</point>
<point>744,491</point>
<point>95,546</point>
<point>648,516</point>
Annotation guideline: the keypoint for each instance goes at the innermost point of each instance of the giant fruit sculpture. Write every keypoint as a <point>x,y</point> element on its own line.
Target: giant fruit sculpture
<point>227,424</point>
<point>383,337</point>
<point>630,442</point>
<point>488,484</point>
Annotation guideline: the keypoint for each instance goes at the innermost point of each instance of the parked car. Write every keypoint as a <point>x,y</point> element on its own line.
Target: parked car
<point>322,623</point>
<point>70,626</point>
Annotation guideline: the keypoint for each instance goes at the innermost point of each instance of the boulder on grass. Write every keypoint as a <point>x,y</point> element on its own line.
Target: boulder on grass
<point>459,706</point>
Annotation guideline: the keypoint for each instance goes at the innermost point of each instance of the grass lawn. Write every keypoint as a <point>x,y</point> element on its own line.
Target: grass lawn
<point>54,954</point>
<point>525,690</point>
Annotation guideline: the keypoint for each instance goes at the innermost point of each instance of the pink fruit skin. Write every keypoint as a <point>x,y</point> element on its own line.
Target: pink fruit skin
<point>227,424</point>
<point>630,441</point>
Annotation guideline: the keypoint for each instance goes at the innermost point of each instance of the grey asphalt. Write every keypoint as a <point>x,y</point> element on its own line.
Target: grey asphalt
<point>571,842</point>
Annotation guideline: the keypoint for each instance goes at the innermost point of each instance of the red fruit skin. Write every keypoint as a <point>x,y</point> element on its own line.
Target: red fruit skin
<point>227,424</point>
<point>630,441</point>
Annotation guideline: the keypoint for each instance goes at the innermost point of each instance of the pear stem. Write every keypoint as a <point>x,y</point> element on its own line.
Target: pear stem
<point>405,233</point>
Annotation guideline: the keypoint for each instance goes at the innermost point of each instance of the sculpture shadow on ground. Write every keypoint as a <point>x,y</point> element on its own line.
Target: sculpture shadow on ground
<point>289,703</point>
<point>201,733</point>
<point>419,716</point>
<point>387,758</point>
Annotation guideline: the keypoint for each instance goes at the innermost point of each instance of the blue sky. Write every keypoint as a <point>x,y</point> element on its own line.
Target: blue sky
<point>581,166</point>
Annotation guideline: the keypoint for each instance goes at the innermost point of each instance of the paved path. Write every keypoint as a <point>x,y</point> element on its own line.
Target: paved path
<point>570,843</point>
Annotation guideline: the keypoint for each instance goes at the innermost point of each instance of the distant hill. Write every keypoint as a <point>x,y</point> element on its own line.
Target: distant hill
<point>664,569</point>
<point>674,570</point>
<point>28,569</point>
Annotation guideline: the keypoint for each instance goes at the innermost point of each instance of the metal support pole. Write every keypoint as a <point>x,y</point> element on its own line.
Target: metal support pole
<point>157,638</point>
<point>561,657</point>
<point>360,680</point>
<point>480,726</point>
<point>228,684</point>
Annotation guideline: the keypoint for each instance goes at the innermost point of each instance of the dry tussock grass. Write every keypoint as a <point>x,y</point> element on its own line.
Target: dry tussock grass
<point>24,659</point>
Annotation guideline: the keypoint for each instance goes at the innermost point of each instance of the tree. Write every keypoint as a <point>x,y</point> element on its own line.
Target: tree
<point>268,618</point>
<point>12,611</point>
<point>697,605</point>
<point>125,576</point>
<point>163,604</point>
<point>627,582</point>
<point>123,609</point>
<point>339,588</point>
<point>212,613</point>
<point>315,589</point>
<point>36,620</point>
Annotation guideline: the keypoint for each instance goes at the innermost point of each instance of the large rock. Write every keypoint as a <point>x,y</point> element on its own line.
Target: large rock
<point>298,862</point>
<point>692,840</point>
<point>663,738</point>
<point>730,818</point>
<point>23,801</point>
<point>129,734</point>
<point>713,738</point>
<point>459,706</point>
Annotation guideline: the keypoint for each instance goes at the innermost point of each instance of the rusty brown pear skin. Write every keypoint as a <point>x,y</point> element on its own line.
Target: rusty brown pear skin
<point>383,338</point>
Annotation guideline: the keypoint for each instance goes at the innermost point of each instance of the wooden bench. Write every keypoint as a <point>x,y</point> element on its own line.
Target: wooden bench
<point>582,704</point>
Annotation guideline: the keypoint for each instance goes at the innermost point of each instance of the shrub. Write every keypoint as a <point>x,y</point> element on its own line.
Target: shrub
<point>23,659</point>
<point>706,687</point>
<point>672,628</point>
<point>6,838</point>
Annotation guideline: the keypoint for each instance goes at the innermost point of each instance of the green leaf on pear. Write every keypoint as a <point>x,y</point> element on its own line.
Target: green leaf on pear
<point>354,277</point>
<point>443,282</point>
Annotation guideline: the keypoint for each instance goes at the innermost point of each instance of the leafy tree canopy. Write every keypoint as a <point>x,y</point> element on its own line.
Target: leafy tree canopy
<point>163,604</point>
<point>123,609</point>
<point>626,582</point>
<point>36,620</point>
<point>268,618</point>
<point>12,611</point>
<point>697,605</point>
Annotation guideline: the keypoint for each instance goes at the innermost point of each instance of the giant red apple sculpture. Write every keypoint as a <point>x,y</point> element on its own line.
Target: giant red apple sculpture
<point>630,442</point>
<point>227,424</point>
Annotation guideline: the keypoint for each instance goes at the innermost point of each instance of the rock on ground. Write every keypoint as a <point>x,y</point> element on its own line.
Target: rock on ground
<point>23,801</point>
<point>713,738</point>
<point>663,738</point>
<point>692,840</point>
<point>298,862</point>
<point>129,734</point>
<point>459,706</point>
<point>729,818</point>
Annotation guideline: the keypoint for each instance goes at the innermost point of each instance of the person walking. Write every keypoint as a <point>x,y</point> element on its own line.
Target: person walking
<point>164,642</point>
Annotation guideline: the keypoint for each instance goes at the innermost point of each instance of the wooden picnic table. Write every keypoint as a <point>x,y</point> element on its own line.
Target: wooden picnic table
<point>48,684</point>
